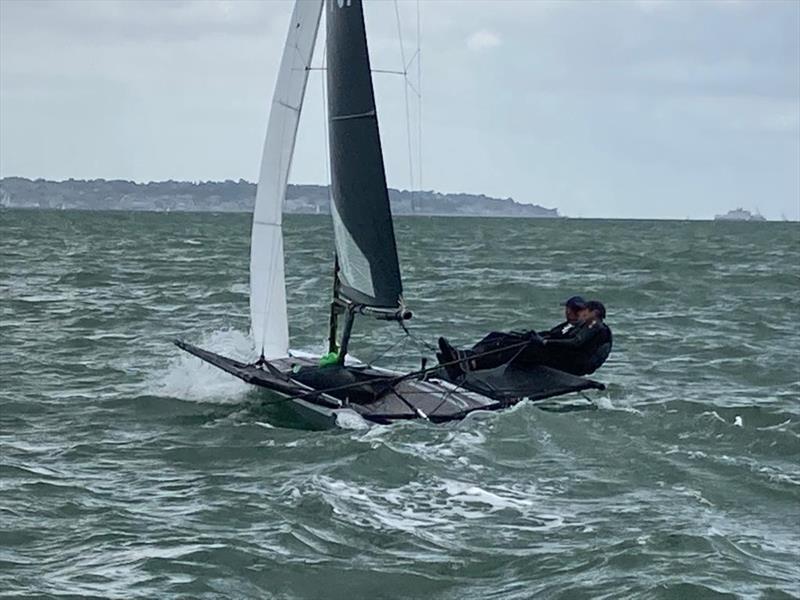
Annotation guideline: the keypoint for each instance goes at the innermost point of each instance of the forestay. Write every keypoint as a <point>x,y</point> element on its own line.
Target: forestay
<point>268,318</point>
<point>362,220</point>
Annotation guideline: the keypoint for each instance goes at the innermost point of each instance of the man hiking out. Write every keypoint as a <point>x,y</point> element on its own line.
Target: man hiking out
<point>579,345</point>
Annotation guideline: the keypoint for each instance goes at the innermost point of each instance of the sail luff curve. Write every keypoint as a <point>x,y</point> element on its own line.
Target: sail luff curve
<point>269,323</point>
<point>363,231</point>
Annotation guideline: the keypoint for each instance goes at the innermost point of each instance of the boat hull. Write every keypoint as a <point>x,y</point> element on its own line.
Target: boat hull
<point>348,395</point>
<point>328,396</point>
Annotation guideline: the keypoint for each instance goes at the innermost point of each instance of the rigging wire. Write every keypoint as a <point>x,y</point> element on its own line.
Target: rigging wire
<point>401,341</point>
<point>420,343</point>
<point>405,96</point>
<point>418,56</point>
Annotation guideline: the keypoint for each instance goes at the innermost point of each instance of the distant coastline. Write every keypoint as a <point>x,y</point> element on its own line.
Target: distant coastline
<point>237,196</point>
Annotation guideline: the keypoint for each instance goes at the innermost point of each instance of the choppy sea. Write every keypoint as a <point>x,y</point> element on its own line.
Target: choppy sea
<point>131,470</point>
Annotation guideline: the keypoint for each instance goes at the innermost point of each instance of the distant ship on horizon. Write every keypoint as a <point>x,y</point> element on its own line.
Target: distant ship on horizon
<point>740,214</point>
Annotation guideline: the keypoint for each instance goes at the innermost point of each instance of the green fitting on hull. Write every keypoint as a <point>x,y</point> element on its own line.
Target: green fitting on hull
<point>331,358</point>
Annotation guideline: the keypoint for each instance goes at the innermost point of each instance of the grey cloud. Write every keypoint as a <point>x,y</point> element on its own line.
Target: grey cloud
<point>591,106</point>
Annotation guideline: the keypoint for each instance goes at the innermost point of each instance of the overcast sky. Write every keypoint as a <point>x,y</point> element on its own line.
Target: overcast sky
<point>612,109</point>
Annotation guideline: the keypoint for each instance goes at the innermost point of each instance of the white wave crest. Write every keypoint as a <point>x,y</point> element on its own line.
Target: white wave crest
<point>188,378</point>
<point>348,419</point>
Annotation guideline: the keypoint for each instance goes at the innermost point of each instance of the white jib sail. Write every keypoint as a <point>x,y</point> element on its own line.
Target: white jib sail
<point>269,323</point>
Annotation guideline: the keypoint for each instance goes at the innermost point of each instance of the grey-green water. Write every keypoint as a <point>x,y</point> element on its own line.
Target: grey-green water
<point>130,470</point>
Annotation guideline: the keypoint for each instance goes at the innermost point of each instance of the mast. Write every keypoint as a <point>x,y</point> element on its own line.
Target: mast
<point>336,309</point>
<point>368,272</point>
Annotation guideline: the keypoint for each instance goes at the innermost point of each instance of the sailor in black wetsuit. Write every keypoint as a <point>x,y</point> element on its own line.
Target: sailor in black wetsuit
<point>578,346</point>
<point>572,308</point>
<point>502,346</point>
<point>584,349</point>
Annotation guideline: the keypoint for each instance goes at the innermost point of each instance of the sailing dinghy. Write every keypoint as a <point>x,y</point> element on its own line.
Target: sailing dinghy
<point>367,280</point>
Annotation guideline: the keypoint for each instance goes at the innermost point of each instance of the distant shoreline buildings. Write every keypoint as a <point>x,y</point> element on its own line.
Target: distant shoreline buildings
<point>237,196</point>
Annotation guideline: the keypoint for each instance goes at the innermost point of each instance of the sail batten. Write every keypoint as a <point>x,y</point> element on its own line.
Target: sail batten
<point>357,116</point>
<point>268,316</point>
<point>364,235</point>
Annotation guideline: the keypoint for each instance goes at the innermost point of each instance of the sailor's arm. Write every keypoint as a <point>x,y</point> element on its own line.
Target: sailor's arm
<point>581,337</point>
<point>556,331</point>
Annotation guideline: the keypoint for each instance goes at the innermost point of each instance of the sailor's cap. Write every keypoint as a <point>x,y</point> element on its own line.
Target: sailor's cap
<point>574,302</point>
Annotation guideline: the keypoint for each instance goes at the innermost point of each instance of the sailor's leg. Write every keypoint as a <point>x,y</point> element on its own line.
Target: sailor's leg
<point>532,354</point>
<point>496,339</point>
<point>492,351</point>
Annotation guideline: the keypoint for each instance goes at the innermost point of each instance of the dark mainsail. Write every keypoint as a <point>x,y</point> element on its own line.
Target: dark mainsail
<point>365,245</point>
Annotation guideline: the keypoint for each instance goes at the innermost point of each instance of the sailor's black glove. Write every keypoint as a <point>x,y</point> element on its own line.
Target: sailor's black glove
<point>533,338</point>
